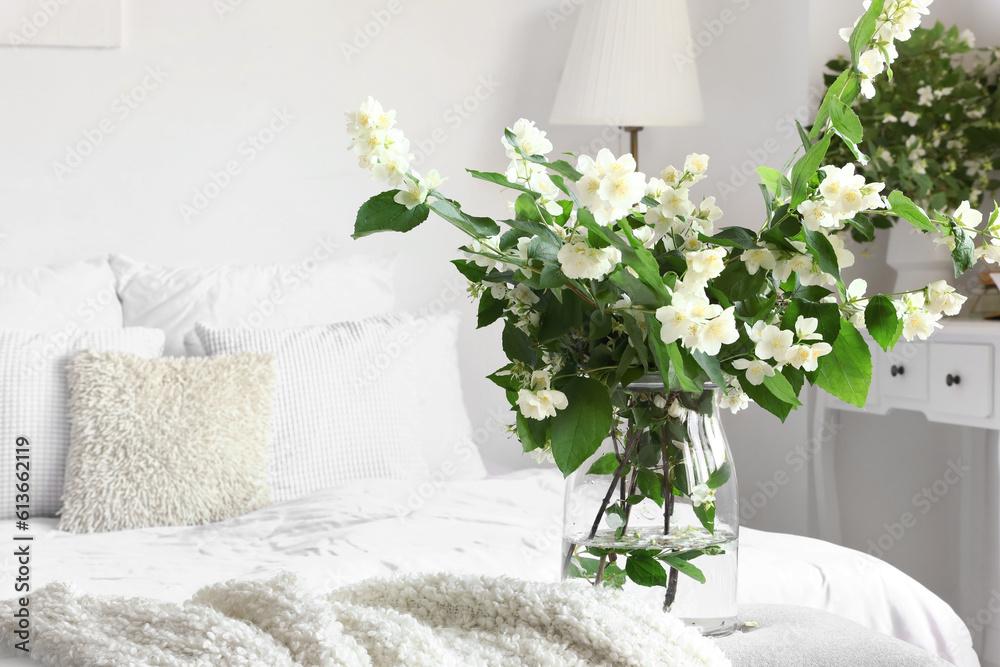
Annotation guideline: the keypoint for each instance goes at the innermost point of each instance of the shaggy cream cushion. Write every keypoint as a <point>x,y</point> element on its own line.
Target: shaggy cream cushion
<point>166,442</point>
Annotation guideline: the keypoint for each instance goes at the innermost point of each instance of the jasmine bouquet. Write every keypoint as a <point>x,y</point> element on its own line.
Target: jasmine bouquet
<point>603,275</point>
<point>934,129</point>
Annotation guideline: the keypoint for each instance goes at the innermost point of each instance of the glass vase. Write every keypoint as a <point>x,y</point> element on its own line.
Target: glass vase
<point>655,510</point>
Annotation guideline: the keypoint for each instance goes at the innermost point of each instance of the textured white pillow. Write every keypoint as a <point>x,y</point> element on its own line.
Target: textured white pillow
<point>253,297</point>
<point>66,298</point>
<point>166,442</point>
<point>34,403</point>
<point>337,419</point>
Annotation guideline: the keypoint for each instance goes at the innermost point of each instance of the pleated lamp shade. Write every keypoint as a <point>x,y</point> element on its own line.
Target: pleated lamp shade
<point>629,65</point>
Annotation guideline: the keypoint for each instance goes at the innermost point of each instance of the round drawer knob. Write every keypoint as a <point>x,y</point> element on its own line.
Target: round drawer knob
<point>952,380</point>
<point>898,370</point>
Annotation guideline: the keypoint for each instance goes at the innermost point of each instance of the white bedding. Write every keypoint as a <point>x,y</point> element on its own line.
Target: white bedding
<point>508,525</point>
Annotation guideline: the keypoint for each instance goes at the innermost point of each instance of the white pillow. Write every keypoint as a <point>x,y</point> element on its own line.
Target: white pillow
<point>254,297</point>
<point>34,399</point>
<point>337,418</point>
<point>66,298</point>
<point>428,354</point>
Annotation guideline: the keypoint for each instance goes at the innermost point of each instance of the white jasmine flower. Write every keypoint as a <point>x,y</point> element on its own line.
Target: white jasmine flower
<point>756,371</point>
<point>523,294</point>
<point>774,343</point>
<point>578,260</point>
<point>735,399</point>
<point>926,96</point>
<point>718,332</point>
<point>758,258</point>
<point>672,176</point>
<point>532,140</point>
<point>705,265</point>
<point>702,495</point>
<point>696,164</point>
<point>432,180</point>
<point>910,118</point>
<point>756,333</point>
<point>623,187</point>
<point>676,410</point>
<point>816,215</point>
<point>413,194</point>
<point>845,258</point>
<point>542,455</point>
<point>805,328</point>
<point>660,401</point>
<point>967,216</point>
<point>675,202</point>
<point>391,168</point>
<point>498,290</point>
<point>797,355</point>
<point>488,246</point>
<point>969,38</point>
<point>816,352</point>
<point>942,298</point>
<point>541,404</point>
<point>919,324</point>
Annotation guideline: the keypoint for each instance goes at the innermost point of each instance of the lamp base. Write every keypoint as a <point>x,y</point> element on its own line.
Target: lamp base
<point>634,132</point>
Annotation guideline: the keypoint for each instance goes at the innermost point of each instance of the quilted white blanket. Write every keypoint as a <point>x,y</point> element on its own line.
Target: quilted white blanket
<point>429,620</point>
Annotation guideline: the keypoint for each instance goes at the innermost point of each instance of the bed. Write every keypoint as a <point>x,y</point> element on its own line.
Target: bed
<point>502,525</point>
<point>330,525</point>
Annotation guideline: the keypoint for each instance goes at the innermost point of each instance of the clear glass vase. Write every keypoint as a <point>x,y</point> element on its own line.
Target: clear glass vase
<point>655,510</point>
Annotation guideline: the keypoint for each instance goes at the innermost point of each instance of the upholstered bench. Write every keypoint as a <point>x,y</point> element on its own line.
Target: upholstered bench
<point>788,636</point>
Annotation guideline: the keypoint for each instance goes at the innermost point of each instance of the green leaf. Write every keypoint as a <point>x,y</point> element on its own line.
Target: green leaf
<point>381,213</point>
<point>677,364</point>
<point>500,179</point>
<point>720,476</point>
<point>565,169</point>
<point>805,168</point>
<point>552,276</point>
<point>734,237</point>
<point>864,226</point>
<point>470,270</point>
<point>811,293</point>
<point>847,371</point>
<point>778,385</point>
<point>771,178</point>
<point>490,310</point>
<point>710,364</point>
<point>651,485</point>
<point>452,212</point>
<point>762,396</point>
<point>526,208</point>
<point>964,254</point>
<point>706,514</point>
<point>864,32</point>
<point>881,321</point>
<point>606,465</point>
<point>827,316</point>
<point>846,89</point>
<point>903,207</point>
<point>846,122</point>
<point>822,251</point>
<point>684,567</point>
<point>579,430</point>
<point>532,433</point>
<point>645,571</point>
<point>516,345</point>
<point>559,318</point>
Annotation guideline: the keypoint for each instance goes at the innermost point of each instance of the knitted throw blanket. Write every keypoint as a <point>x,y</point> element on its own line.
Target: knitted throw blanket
<point>429,620</point>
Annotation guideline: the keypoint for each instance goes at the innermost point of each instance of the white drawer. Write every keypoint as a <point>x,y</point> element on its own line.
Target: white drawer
<point>961,379</point>
<point>903,371</point>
